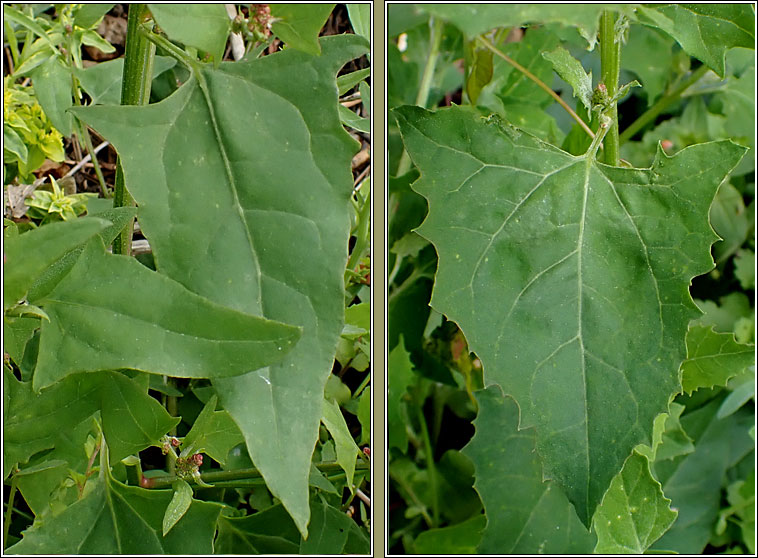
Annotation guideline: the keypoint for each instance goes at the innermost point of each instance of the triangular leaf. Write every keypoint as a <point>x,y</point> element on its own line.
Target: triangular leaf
<point>165,330</point>
<point>542,255</point>
<point>298,25</point>
<point>203,26</point>
<point>347,450</point>
<point>525,515</point>
<point>277,193</point>
<point>713,358</point>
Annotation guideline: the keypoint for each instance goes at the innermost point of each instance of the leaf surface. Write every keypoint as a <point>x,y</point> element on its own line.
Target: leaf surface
<point>203,26</point>
<point>525,515</point>
<point>461,538</point>
<point>634,513</point>
<point>102,82</point>
<point>118,519</point>
<point>705,31</point>
<point>166,330</point>
<point>693,482</point>
<point>132,420</point>
<point>213,432</point>
<point>28,255</point>
<point>178,506</point>
<point>251,210</point>
<point>270,531</point>
<point>347,451</point>
<point>713,358</point>
<point>298,25</point>
<point>571,287</point>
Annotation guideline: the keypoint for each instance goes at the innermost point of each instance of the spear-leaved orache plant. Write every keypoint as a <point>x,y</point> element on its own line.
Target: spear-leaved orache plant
<point>564,253</point>
<point>241,182</point>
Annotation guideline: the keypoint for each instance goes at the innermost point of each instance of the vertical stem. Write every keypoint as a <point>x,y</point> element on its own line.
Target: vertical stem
<point>610,56</point>
<point>430,466</point>
<point>9,511</point>
<point>422,97</point>
<point>135,90</point>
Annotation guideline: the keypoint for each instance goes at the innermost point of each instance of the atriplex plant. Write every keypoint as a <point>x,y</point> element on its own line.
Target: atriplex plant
<point>242,183</point>
<point>567,270</point>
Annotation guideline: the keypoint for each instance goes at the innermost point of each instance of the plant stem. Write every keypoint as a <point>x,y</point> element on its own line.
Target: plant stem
<point>610,57</point>
<point>422,97</point>
<point>671,97</point>
<point>539,82</point>
<point>361,236</point>
<point>9,511</point>
<point>431,469</point>
<point>135,90</point>
<point>245,474</point>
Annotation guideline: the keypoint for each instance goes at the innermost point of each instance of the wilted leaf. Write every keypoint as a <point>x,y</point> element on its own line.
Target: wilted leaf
<point>572,289</point>
<point>634,512</point>
<point>705,31</point>
<point>525,515</point>
<point>267,196</point>
<point>165,330</point>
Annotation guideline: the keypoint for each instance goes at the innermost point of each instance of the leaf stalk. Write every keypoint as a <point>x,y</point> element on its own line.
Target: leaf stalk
<point>610,58</point>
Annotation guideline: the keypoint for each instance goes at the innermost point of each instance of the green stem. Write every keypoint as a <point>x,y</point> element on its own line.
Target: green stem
<point>610,59</point>
<point>135,90</point>
<point>364,383</point>
<point>671,97</point>
<point>430,466</point>
<point>422,97</point>
<point>9,510</point>
<point>250,474</point>
<point>539,82</point>
<point>362,237</point>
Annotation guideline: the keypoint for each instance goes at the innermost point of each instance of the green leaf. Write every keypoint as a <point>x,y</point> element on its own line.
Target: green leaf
<point>347,451</point>
<point>279,201</point>
<point>27,255</point>
<point>87,15</point>
<point>654,71</point>
<point>474,19</point>
<point>132,420</point>
<point>480,75</point>
<point>178,505</point>
<point>16,334</point>
<point>102,82</point>
<point>118,519</point>
<point>271,531</point>
<point>525,515</point>
<point>536,286</point>
<point>298,25</point>
<point>13,143</point>
<point>730,221</point>
<point>329,532</point>
<point>744,268</point>
<point>713,358</point>
<point>743,390</point>
<point>634,512</point>
<point>400,376</point>
<point>572,72</point>
<point>346,82</point>
<point>704,31</point>
<point>352,120</point>
<point>669,439</point>
<point>203,26</point>
<point>693,482</point>
<point>461,538</point>
<point>364,415</point>
<point>213,432</point>
<point>360,19</point>
<point>724,315</point>
<point>166,330</point>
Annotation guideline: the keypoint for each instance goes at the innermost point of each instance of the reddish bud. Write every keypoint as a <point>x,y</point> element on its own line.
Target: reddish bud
<point>601,87</point>
<point>367,451</point>
<point>198,459</point>
<point>146,482</point>
<point>667,144</point>
<point>175,442</point>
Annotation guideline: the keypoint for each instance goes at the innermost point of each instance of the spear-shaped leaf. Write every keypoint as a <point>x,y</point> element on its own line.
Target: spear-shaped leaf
<point>569,279</point>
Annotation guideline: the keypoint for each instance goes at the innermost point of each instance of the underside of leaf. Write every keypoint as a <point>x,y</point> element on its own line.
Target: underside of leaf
<point>569,279</point>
